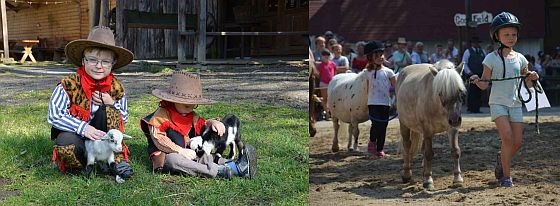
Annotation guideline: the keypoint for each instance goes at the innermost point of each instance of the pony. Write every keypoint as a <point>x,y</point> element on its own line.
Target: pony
<point>429,99</point>
<point>348,96</point>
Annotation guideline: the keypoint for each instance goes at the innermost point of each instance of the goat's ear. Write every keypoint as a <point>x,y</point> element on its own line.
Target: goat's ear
<point>106,137</point>
<point>125,136</point>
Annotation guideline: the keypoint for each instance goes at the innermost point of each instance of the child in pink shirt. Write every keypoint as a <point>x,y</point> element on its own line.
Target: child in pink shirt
<point>326,69</point>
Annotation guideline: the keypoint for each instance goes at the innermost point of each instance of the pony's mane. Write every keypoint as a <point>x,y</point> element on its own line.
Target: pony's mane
<point>448,82</point>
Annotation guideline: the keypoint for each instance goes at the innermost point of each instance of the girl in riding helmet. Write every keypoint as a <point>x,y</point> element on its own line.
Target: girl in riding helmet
<point>504,101</point>
<point>380,79</point>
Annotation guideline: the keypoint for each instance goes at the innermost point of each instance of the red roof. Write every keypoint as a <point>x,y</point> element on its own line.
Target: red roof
<point>416,20</point>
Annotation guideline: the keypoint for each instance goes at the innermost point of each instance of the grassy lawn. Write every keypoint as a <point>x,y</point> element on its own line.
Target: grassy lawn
<point>278,133</point>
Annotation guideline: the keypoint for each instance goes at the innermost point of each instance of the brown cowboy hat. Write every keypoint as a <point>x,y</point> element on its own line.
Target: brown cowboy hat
<point>185,88</point>
<point>101,37</point>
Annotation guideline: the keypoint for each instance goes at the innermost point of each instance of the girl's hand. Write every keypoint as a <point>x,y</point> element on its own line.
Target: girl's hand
<point>216,126</point>
<point>474,79</point>
<point>533,75</point>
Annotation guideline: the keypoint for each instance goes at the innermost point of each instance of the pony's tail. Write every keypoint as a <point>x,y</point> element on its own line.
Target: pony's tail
<point>416,142</point>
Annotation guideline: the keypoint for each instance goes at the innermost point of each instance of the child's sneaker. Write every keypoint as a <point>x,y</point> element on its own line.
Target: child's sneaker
<point>225,172</point>
<point>372,148</point>
<point>498,171</point>
<point>247,162</point>
<point>380,154</point>
<point>506,182</point>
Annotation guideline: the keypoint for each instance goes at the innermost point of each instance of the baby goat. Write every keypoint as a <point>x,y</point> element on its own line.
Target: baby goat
<point>104,150</point>
<point>211,140</point>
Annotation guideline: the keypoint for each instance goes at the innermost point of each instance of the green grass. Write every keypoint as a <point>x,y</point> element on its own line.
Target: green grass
<point>278,133</point>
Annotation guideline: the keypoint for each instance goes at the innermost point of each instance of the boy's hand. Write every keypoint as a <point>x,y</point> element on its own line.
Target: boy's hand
<point>216,126</point>
<point>107,99</point>
<point>188,153</point>
<point>92,133</point>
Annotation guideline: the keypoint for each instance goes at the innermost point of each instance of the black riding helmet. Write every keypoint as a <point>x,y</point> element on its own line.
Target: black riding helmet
<point>504,19</point>
<point>373,46</point>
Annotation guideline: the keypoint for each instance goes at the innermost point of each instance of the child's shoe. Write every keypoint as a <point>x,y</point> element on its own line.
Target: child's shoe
<point>506,182</point>
<point>372,148</point>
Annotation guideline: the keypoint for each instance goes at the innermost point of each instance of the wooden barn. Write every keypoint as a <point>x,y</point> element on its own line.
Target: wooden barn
<point>45,21</point>
<point>235,28</point>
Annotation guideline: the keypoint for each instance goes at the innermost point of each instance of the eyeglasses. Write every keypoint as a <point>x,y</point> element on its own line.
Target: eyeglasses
<point>92,61</point>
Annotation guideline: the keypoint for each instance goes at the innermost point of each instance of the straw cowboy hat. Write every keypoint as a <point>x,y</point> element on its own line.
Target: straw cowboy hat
<point>101,37</point>
<point>401,40</point>
<point>185,88</point>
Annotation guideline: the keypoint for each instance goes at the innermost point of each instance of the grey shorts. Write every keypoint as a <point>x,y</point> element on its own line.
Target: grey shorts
<point>515,114</point>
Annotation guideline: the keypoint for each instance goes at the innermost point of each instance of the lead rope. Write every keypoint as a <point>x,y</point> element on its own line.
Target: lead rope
<point>536,86</point>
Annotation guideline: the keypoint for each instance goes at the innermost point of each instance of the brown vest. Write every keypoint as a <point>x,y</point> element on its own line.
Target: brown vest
<point>79,103</point>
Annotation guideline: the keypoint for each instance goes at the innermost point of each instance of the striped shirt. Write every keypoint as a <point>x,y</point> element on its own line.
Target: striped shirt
<point>60,117</point>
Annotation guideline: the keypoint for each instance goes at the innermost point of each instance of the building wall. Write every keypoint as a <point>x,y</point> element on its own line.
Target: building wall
<point>66,21</point>
<point>416,20</point>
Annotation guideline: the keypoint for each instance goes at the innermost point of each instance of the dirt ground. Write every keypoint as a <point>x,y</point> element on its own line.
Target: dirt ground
<point>356,178</point>
<point>272,84</point>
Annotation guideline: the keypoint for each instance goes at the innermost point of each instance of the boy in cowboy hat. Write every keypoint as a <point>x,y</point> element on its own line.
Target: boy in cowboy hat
<point>170,128</point>
<point>88,103</point>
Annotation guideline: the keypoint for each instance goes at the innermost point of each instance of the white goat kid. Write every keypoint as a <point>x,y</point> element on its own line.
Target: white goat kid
<point>104,150</point>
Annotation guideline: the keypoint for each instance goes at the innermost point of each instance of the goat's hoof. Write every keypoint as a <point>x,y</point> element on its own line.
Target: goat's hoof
<point>119,179</point>
<point>88,170</point>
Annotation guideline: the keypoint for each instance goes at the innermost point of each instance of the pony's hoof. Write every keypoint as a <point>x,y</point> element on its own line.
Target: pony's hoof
<point>457,182</point>
<point>428,186</point>
<point>406,179</point>
<point>334,149</point>
<point>457,185</point>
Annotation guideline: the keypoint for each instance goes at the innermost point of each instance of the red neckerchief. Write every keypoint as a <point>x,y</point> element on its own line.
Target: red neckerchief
<point>183,123</point>
<point>89,84</point>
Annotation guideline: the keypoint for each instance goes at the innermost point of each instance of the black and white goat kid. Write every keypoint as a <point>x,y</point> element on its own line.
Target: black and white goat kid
<point>232,137</point>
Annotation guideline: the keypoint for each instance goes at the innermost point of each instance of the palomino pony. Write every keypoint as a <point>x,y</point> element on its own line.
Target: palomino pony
<point>348,96</point>
<point>429,99</point>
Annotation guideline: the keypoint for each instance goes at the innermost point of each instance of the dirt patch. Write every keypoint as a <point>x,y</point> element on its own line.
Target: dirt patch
<point>280,85</point>
<point>5,182</point>
<point>355,178</point>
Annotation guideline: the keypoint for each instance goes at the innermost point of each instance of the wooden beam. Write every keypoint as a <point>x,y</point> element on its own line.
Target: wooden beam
<point>104,11</point>
<point>5,29</point>
<point>120,24</point>
<point>142,19</point>
<point>181,26</point>
<point>202,32</point>
<point>93,13</point>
